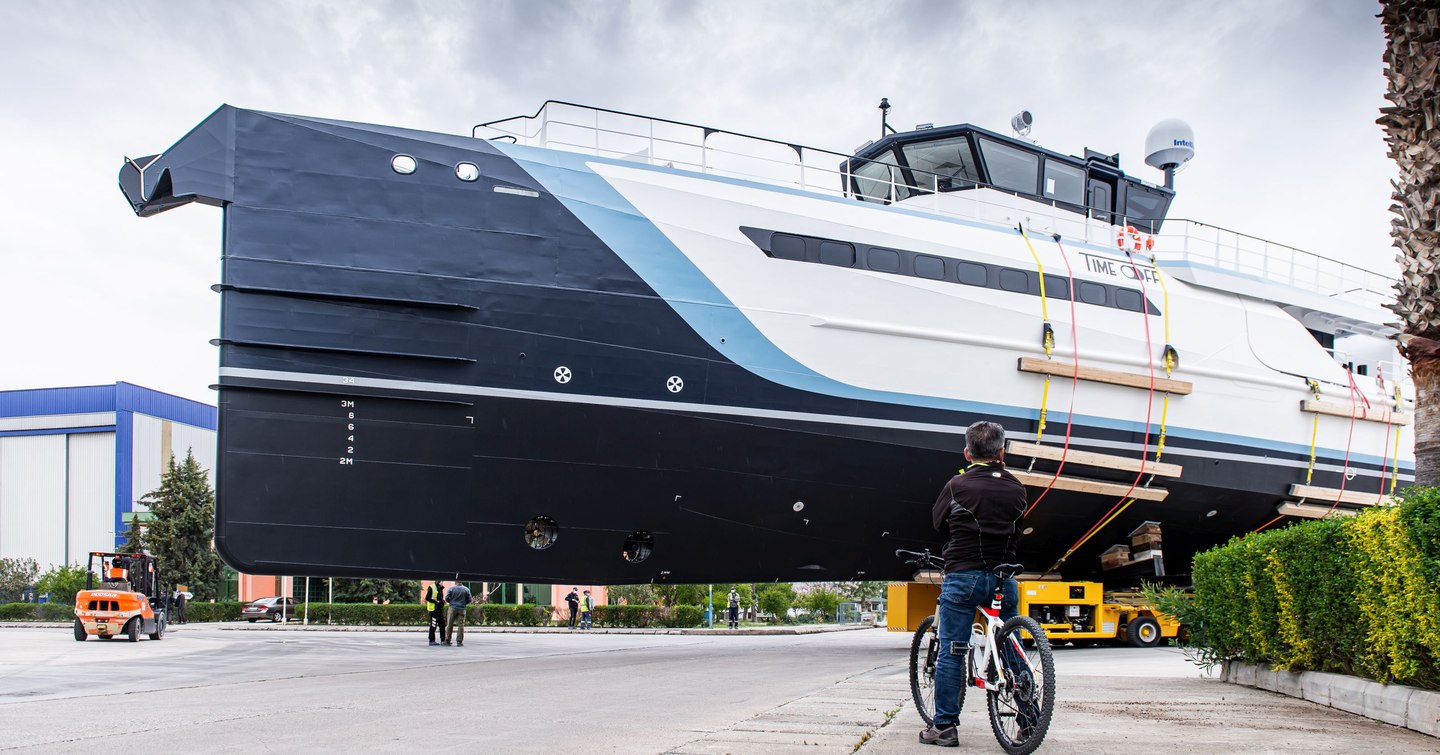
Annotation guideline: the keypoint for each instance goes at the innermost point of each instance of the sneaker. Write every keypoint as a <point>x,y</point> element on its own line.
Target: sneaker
<point>432,642</point>
<point>446,644</point>
<point>459,644</point>
<point>946,737</point>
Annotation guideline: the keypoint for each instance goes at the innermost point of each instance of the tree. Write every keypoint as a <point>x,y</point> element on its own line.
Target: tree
<point>1412,129</point>
<point>862,592</point>
<point>776,599</point>
<point>634,595</point>
<point>134,538</point>
<point>182,530</point>
<point>16,574</point>
<point>680,595</point>
<point>822,601</point>
<point>369,590</point>
<point>62,582</point>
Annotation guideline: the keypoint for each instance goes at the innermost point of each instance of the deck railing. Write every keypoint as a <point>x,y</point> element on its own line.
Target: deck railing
<point>674,144</point>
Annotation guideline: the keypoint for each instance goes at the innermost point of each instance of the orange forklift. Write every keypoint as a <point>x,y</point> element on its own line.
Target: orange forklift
<point>128,601</point>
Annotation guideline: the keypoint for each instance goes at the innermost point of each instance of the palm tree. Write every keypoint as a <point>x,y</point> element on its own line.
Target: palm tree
<point>1412,132</point>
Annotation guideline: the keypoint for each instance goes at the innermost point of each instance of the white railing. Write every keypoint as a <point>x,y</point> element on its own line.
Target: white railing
<point>673,144</point>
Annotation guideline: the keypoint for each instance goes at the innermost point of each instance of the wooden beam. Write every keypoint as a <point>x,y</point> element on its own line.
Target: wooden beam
<point>1310,511</point>
<point>1370,414</point>
<point>1354,497</point>
<point>1092,459</point>
<point>1099,375</point>
<point>1083,485</point>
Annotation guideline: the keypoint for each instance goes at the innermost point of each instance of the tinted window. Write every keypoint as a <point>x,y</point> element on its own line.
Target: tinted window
<point>1063,182</point>
<point>1057,287</point>
<point>1144,203</point>
<point>1092,293</point>
<point>949,160</point>
<point>929,267</point>
<point>1011,168</point>
<point>787,247</point>
<point>884,260</point>
<point>1015,280</point>
<point>837,253</point>
<point>874,178</point>
<point>972,274</point>
<point>1127,298</point>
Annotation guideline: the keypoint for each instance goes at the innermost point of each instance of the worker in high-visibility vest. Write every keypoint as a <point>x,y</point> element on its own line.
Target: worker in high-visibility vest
<point>587,611</point>
<point>435,606</point>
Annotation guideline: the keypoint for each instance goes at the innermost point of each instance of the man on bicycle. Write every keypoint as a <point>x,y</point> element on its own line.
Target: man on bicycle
<point>979,513</point>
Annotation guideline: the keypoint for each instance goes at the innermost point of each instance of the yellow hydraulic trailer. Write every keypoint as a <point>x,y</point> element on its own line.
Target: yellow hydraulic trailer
<point>1081,612</point>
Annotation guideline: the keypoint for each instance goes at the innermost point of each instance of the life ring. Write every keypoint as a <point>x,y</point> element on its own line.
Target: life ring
<point>1133,240</point>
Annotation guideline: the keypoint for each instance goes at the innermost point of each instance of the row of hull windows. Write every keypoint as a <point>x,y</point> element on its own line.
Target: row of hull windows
<point>787,246</point>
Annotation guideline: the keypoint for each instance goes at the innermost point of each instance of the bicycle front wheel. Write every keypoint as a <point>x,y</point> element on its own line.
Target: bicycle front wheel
<point>1021,707</point>
<point>924,649</point>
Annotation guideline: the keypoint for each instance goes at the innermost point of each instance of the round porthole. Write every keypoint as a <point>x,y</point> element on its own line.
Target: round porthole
<point>467,171</point>
<point>403,164</point>
<point>541,532</point>
<point>638,546</point>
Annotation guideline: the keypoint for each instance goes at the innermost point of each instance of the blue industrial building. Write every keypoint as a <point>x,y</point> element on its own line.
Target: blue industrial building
<point>74,463</point>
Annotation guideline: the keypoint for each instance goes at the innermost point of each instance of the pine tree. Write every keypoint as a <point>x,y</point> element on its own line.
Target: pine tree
<point>182,531</point>
<point>134,539</point>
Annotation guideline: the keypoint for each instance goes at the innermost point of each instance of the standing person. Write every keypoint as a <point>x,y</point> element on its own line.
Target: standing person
<point>457,598</point>
<point>587,611</point>
<point>572,601</point>
<point>180,600</point>
<point>435,607</point>
<point>734,609</point>
<point>979,512</point>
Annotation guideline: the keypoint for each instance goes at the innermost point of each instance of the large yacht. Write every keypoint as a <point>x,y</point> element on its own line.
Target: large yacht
<point>585,345</point>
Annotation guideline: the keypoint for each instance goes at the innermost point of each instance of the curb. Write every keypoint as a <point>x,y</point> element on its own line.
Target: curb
<point>1407,707</point>
<point>470,629</point>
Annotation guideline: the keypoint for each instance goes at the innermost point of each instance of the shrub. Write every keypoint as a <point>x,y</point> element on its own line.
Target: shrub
<point>495,614</point>
<point>196,611</point>
<point>37,612</point>
<point>684,616</point>
<point>1358,595</point>
<point>629,616</point>
<point>62,582</point>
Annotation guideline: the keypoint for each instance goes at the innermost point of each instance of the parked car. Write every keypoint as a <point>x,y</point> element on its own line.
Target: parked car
<point>270,608</point>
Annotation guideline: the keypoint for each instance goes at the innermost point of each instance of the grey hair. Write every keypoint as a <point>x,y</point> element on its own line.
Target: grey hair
<point>985,441</point>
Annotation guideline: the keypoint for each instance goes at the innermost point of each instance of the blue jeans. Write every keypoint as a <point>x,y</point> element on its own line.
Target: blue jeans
<point>960,594</point>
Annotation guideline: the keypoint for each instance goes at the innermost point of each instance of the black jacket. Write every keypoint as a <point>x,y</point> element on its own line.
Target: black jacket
<point>979,513</point>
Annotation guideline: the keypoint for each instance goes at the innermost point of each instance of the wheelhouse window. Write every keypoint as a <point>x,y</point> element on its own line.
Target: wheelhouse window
<point>875,178</point>
<point>1145,206</point>
<point>1009,167</point>
<point>946,164</point>
<point>1064,183</point>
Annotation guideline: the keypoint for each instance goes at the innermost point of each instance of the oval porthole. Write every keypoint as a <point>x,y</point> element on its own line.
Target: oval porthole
<point>638,546</point>
<point>467,171</point>
<point>403,164</point>
<point>541,532</point>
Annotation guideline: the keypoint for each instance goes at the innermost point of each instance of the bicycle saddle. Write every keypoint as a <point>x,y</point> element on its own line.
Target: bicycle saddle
<point>1007,571</point>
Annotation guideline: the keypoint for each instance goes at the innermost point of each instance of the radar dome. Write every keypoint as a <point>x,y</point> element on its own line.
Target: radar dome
<point>1171,142</point>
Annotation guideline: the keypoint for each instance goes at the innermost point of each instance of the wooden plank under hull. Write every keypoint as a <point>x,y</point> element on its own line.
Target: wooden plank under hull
<point>1084,485</point>
<point>1354,497</point>
<point>1092,459</point>
<point>1311,511</point>
<point>1369,414</point>
<point>1100,375</point>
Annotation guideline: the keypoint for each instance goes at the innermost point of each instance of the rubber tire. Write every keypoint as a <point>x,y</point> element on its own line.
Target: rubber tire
<point>275,618</point>
<point>105,637</point>
<point>252,621</point>
<point>1143,632</point>
<point>80,631</point>
<point>920,643</point>
<point>1041,647</point>
<point>132,629</point>
<point>159,632</point>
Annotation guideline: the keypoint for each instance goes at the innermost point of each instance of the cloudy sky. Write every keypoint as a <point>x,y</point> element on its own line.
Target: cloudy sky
<point>1282,94</point>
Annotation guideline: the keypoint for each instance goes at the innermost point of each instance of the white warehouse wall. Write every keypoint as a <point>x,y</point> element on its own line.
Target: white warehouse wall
<point>32,498</point>
<point>154,438</point>
<point>92,494</point>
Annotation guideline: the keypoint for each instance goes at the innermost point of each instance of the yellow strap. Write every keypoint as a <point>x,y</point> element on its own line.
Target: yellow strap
<point>1044,399</point>
<point>1314,431</point>
<point>1093,533</point>
<point>1044,310</point>
<point>1395,458</point>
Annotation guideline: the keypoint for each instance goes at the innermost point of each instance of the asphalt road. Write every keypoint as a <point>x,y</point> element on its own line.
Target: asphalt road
<point>205,687</point>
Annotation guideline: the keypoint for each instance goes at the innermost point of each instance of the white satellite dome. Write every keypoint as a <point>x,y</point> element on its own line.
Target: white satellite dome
<point>1170,143</point>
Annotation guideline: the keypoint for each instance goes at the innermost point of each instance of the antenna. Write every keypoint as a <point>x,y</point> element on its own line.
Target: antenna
<point>885,117</point>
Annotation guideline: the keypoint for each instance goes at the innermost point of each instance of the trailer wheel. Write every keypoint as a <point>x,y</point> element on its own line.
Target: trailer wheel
<point>79,631</point>
<point>132,629</point>
<point>1143,632</point>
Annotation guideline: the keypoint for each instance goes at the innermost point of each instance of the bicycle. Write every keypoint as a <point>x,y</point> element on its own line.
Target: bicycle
<point>1010,660</point>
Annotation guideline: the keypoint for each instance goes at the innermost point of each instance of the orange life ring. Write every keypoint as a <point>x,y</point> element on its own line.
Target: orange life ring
<point>1133,240</point>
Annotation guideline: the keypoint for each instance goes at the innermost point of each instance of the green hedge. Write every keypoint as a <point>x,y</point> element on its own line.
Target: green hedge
<point>414,614</point>
<point>649,616</point>
<point>1358,595</point>
<point>196,612</point>
<point>37,612</point>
